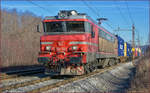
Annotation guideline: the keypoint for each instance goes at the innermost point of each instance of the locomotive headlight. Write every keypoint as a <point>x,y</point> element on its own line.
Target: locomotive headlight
<point>48,48</point>
<point>74,47</point>
<point>62,15</point>
<point>73,12</point>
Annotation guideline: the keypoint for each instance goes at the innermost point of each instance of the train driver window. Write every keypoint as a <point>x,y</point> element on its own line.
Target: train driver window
<point>88,27</point>
<point>53,27</point>
<point>75,26</point>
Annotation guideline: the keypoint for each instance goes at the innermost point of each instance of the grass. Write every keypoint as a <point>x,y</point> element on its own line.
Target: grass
<point>141,81</point>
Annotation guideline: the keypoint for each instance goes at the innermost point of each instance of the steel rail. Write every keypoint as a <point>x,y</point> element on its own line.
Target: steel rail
<point>22,84</point>
<point>15,74</point>
<point>57,84</point>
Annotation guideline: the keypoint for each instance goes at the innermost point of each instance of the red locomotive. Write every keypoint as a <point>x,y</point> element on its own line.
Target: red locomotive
<point>73,44</point>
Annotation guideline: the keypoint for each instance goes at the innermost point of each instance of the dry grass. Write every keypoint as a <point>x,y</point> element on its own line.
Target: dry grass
<point>141,81</point>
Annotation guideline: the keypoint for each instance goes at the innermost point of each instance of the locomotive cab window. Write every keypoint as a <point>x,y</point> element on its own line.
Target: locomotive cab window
<point>53,27</point>
<point>75,26</point>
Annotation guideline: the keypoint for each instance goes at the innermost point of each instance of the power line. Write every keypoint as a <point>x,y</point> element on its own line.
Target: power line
<point>109,25</point>
<point>129,12</point>
<point>95,11</point>
<point>124,18</point>
<point>40,6</point>
<point>102,14</point>
<point>90,8</point>
<point>107,20</point>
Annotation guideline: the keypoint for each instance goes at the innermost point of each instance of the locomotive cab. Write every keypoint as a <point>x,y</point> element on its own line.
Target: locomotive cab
<point>68,43</point>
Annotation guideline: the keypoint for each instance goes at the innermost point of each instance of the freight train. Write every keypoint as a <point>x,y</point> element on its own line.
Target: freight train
<point>74,44</point>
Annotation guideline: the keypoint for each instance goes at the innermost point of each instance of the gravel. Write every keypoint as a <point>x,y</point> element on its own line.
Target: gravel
<point>16,81</point>
<point>21,79</point>
<point>35,86</point>
<point>115,80</point>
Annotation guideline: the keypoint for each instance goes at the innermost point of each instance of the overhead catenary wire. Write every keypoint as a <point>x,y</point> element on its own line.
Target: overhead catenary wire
<point>30,1</point>
<point>129,12</point>
<point>103,16</point>
<point>109,25</point>
<point>96,12</point>
<point>121,14</point>
<point>132,21</point>
<point>133,27</point>
<point>90,8</point>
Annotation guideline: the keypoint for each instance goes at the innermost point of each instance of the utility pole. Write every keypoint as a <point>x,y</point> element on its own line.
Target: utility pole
<point>133,43</point>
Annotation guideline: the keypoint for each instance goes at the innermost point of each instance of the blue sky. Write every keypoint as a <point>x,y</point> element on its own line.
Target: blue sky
<point>116,12</point>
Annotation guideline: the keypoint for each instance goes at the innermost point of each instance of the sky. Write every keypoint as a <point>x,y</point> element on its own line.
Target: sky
<point>119,13</point>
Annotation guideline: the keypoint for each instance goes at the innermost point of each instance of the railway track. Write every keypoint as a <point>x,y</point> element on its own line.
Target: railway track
<point>15,74</point>
<point>53,84</point>
<point>22,84</point>
<point>49,87</point>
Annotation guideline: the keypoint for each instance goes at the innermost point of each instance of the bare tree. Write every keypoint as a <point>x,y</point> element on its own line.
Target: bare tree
<point>20,42</point>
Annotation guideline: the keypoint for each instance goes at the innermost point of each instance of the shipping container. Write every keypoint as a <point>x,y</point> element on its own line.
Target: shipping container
<point>120,46</point>
<point>138,52</point>
<point>127,49</point>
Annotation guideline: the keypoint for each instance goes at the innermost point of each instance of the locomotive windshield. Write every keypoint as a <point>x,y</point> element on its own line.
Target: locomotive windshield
<point>53,27</point>
<point>64,26</point>
<point>75,26</point>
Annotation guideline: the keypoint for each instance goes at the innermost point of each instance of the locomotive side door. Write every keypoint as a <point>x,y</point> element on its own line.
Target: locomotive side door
<point>94,38</point>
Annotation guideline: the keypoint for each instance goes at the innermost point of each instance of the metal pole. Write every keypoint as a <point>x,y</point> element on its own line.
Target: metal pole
<point>133,43</point>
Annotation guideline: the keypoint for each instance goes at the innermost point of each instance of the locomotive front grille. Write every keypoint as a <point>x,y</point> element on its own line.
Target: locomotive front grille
<point>43,59</point>
<point>75,60</point>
